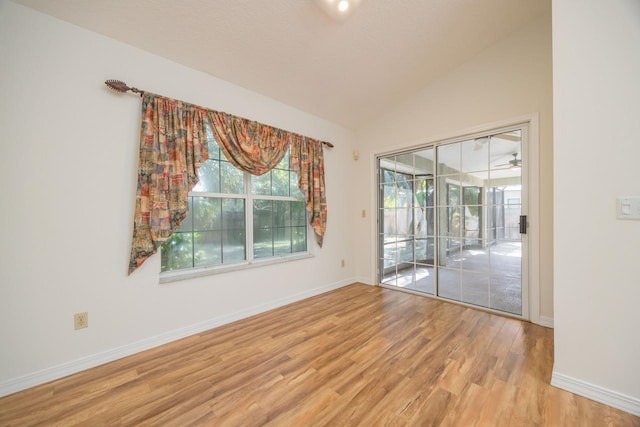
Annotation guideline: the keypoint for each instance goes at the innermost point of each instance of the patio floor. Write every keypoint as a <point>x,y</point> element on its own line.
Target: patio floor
<point>488,278</point>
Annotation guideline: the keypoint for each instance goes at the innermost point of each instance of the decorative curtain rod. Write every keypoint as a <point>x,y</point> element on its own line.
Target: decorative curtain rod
<point>122,87</point>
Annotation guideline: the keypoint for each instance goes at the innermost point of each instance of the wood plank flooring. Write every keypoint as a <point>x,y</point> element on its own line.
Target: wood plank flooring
<point>357,356</point>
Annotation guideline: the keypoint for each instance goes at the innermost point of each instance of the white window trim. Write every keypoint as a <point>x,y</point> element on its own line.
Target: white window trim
<point>176,275</point>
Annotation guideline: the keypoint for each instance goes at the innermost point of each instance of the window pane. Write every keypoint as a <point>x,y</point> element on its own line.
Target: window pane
<point>475,256</point>
<point>449,159</point>
<point>424,192</point>
<point>282,213</point>
<point>209,175</point>
<point>233,246</point>
<point>262,213</point>
<point>282,241</point>
<point>233,224</point>
<point>453,195</point>
<point>262,242</point>
<point>231,179</point>
<point>475,289</point>
<point>293,186</point>
<point>402,182</point>
<point>475,155</point>
<point>388,222</point>
<point>506,294</point>
<point>424,161</point>
<point>405,251</point>
<point>284,163</point>
<point>177,252</point>
<point>279,182</point>
<point>214,150</point>
<point>390,195</point>
<point>448,190</point>
<point>279,227</point>
<point>232,214</point>
<point>472,221</point>
<point>449,284</point>
<point>424,250</point>
<point>207,248</point>
<point>299,239</point>
<point>298,214</point>
<point>425,278</point>
<point>472,195</point>
<point>206,214</point>
<point>390,252</point>
<point>404,162</point>
<point>423,219</point>
<point>261,185</point>
<point>450,253</point>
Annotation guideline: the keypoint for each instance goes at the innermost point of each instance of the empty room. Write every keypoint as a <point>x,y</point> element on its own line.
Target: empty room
<point>320,212</point>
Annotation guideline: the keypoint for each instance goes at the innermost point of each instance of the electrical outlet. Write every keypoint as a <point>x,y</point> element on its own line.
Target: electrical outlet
<point>81,320</point>
<point>341,263</point>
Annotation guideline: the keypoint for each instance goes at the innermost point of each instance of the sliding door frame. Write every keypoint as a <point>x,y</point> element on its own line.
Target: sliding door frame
<point>531,168</point>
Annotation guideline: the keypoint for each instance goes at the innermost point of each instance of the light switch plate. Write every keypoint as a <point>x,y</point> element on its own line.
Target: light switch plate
<point>628,208</point>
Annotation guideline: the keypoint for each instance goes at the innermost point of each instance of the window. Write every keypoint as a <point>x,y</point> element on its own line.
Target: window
<point>236,218</point>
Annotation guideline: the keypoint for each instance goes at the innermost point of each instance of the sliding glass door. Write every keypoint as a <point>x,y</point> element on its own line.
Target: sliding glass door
<point>407,218</point>
<point>449,220</point>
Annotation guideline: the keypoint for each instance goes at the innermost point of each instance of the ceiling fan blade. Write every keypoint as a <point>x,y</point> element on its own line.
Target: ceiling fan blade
<point>508,137</point>
<point>515,162</point>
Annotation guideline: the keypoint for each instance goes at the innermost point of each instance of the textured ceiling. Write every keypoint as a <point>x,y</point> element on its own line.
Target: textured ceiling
<point>290,50</point>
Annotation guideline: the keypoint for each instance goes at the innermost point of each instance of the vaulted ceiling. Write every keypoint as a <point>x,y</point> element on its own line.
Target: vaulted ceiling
<point>345,71</point>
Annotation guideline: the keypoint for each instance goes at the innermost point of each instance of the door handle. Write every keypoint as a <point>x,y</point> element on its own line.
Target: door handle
<point>523,224</point>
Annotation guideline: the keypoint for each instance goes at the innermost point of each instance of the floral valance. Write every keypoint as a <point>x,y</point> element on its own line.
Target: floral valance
<point>173,145</point>
<point>251,146</point>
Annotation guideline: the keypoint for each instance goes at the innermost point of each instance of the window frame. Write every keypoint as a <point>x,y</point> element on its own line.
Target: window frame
<point>250,261</point>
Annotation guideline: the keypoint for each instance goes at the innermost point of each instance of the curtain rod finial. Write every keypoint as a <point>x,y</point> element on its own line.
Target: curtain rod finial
<point>120,86</point>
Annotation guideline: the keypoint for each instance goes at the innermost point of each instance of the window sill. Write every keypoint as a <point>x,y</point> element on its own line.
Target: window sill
<point>174,276</point>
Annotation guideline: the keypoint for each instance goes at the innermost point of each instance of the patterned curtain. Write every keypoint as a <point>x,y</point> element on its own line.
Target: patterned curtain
<point>307,160</point>
<point>257,148</point>
<point>173,145</point>
<point>250,146</point>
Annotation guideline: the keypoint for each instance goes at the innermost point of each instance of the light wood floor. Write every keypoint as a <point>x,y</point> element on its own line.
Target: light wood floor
<point>357,356</point>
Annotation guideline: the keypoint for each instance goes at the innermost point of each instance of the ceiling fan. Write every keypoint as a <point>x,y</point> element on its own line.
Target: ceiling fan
<point>513,163</point>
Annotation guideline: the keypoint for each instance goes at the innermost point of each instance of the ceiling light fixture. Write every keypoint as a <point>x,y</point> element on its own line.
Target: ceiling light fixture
<point>338,10</point>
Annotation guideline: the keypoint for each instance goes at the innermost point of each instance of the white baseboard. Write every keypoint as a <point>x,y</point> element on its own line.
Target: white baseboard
<point>365,281</point>
<point>40,377</point>
<point>596,393</point>
<point>546,321</point>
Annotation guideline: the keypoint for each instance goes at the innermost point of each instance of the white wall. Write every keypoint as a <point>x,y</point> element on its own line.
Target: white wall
<point>510,79</point>
<point>68,160</point>
<point>596,72</point>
